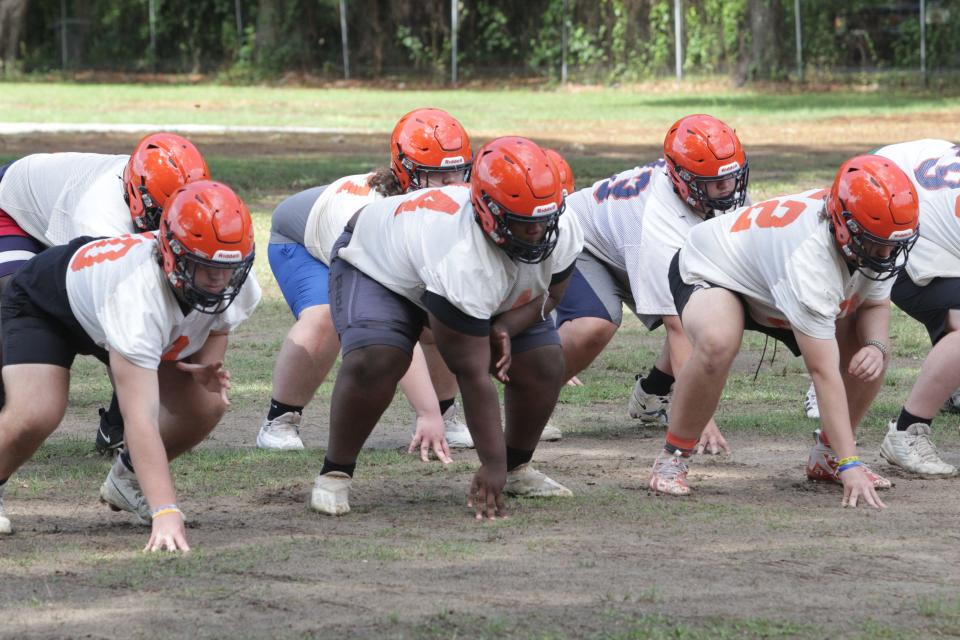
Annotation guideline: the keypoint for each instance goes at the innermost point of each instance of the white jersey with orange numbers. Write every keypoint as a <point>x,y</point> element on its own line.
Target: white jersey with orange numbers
<point>932,165</point>
<point>635,222</point>
<point>782,257</point>
<point>56,197</point>
<point>428,240</point>
<point>120,295</point>
<point>937,252</point>
<point>332,211</point>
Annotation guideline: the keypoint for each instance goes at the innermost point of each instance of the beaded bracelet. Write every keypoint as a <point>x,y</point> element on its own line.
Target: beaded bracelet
<point>849,465</point>
<point>879,345</point>
<point>844,461</point>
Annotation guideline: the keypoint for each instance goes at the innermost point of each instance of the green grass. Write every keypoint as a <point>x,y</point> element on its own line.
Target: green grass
<point>373,110</point>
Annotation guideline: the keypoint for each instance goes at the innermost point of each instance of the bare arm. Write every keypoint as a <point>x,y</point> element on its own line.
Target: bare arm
<point>418,389</point>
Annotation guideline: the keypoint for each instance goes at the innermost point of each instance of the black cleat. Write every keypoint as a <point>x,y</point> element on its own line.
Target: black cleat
<point>109,435</point>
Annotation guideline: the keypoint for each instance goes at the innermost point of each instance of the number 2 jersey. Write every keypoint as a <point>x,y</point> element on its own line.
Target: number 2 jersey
<point>934,168</point>
<point>120,296</point>
<point>781,256</point>
<point>55,197</point>
<point>429,241</point>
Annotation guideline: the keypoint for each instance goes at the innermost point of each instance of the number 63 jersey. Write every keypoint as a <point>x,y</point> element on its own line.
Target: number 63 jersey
<point>781,256</point>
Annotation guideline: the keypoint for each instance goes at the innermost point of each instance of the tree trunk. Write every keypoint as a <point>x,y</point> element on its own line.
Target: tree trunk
<point>266,37</point>
<point>12,14</point>
<point>761,56</point>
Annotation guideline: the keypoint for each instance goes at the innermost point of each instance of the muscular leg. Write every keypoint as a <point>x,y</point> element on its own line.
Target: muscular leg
<point>583,340</point>
<point>939,373</point>
<point>28,419</point>
<point>365,386</point>
<point>713,320</point>
<point>444,382</point>
<point>536,377</point>
<point>188,412</point>
<point>306,356</point>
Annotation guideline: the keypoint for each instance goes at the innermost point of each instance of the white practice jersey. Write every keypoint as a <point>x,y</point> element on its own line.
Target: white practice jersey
<point>119,294</point>
<point>333,210</point>
<point>56,197</point>
<point>932,165</point>
<point>937,252</point>
<point>428,240</point>
<point>635,222</point>
<point>785,262</point>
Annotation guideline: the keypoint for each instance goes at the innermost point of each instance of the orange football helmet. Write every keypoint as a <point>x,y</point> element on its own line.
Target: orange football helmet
<point>426,141</point>
<point>207,227</point>
<point>514,181</point>
<point>563,168</point>
<point>873,205</point>
<point>160,164</point>
<point>699,149</point>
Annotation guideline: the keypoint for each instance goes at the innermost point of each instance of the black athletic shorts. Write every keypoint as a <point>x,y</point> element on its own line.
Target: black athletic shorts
<point>930,304</point>
<point>681,296</point>
<point>38,325</point>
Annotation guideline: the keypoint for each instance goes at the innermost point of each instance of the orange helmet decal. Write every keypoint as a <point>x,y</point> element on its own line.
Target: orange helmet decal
<point>160,164</point>
<point>563,168</point>
<point>700,150</point>
<point>206,226</point>
<point>514,181</point>
<point>425,141</point>
<point>873,205</point>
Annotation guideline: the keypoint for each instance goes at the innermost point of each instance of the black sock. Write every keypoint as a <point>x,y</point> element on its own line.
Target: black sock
<point>113,414</point>
<point>126,461</point>
<point>3,482</point>
<point>517,457</point>
<point>657,382</point>
<point>446,404</point>
<point>905,419</point>
<point>329,466</point>
<point>277,409</point>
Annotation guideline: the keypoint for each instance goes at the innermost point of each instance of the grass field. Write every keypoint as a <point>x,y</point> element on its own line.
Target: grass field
<point>756,551</point>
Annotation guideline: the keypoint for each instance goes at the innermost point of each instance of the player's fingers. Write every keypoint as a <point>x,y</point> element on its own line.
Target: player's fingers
<point>440,450</point>
<point>225,397</point>
<point>491,506</point>
<point>424,451</point>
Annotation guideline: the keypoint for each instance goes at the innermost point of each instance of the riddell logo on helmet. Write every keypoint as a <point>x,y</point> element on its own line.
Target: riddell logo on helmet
<point>544,208</point>
<point>900,235</point>
<point>728,168</point>
<point>452,162</point>
<point>227,256</point>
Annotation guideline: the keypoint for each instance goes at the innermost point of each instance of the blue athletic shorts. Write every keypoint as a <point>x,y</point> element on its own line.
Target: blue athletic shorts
<point>302,278</point>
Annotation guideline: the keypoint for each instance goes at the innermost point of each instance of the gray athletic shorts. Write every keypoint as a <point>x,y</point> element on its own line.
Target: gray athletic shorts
<point>289,221</point>
<point>365,313</point>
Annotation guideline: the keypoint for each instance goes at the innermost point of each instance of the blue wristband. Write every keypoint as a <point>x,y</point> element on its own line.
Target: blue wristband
<point>849,465</point>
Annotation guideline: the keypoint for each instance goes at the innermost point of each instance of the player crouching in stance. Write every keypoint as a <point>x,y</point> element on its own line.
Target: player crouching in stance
<point>428,148</point>
<point>813,270</point>
<point>157,308</point>
<point>484,265</point>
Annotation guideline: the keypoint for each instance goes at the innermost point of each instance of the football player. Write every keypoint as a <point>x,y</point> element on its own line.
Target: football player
<point>428,148</point>
<point>813,270</point>
<point>157,307</point>
<point>633,224</point>
<point>48,199</point>
<point>483,265</point>
<point>929,291</point>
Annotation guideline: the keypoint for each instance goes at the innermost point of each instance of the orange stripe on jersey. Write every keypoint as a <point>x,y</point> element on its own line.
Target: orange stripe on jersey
<point>105,250</point>
<point>433,200</point>
<point>850,305</point>
<point>819,195</point>
<point>178,346</point>
<point>354,188</point>
<point>523,298</point>
<point>956,207</point>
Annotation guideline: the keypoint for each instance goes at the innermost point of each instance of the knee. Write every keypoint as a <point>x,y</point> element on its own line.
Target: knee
<point>715,352</point>
<point>375,366</point>
<point>541,368</point>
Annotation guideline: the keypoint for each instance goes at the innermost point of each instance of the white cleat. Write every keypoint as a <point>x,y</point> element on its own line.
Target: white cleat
<point>121,492</point>
<point>810,406</point>
<point>282,433</point>
<point>914,451</point>
<point>550,433</point>
<point>456,432</point>
<point>331,493</point>
<point>5,526</point>
<point>952,404</point>
<point>649,408</point>
<point>528,482</point>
